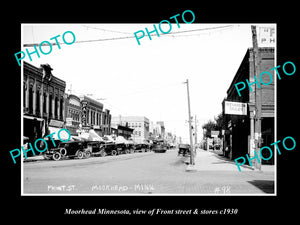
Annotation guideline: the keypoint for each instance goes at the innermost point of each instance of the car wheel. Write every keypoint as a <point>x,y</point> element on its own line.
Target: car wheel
<point>63,151</point>
<point>80,154</point>
<point>88,154</point>
<point>56,156</point>
<point>114,152</point>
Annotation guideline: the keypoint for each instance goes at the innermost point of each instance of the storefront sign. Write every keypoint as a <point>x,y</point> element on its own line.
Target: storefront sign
<point>235,108</point>
<point>69,121</point>
<point>56,123</point>
<point>214,133</point>
<point>266,36</point>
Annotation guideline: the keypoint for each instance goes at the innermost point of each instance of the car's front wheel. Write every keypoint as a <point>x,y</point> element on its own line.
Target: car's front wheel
<point>63,151</point>
<point>56,156</point>
<point>80,155</point>
<point>114,152</point>
<point>88,154</point>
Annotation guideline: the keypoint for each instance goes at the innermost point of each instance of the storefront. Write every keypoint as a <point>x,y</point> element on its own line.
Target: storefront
<point>239,129</point>
<point>43,101</point>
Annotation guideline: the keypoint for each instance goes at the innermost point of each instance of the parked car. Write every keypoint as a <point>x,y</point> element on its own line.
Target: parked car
<point>217,146</point>
<point>94,147</point>
<point>130,148</point>
<point>108,149</point>
<point>183,149</point>
<point>141,147</point>
<point>71,149</point>
<point>121,148</point>
<point>159,146</point>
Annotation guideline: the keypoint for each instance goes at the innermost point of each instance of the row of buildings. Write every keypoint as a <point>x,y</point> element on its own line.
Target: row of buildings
<point>238,130</point>
<point>140,128</point>
<point>47,108</point>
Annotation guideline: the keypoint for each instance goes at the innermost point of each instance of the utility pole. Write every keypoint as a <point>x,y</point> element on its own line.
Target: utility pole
<point>258,99</point>
<point>192,161</point>
<point>196,122</point>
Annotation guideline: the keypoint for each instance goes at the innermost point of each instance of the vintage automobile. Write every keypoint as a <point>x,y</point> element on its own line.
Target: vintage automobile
<point>183,149</point>
<point>159,146</point>
<point>94,147</point>
<point>109,149</point>
<point>70,149</point>
<point>143,147</point>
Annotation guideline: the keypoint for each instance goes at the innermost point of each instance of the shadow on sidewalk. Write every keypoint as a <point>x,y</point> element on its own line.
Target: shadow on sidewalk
<point>224,160</point>
<point>266,186</point>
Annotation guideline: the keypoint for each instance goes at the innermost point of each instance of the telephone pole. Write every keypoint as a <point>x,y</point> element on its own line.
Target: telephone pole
<point>195,130</point>
<point>258,100</point>
<point>192,160</point>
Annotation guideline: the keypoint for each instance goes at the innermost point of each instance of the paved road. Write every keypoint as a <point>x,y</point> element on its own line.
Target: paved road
<point>140,173</point>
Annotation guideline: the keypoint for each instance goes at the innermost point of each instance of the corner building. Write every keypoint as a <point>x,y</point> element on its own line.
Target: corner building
<point>238,128</point>
<point>43,101</point>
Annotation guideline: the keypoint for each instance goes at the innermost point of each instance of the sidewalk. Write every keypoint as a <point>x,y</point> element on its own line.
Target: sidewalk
<point>212,160</point>
<point>33,158</point>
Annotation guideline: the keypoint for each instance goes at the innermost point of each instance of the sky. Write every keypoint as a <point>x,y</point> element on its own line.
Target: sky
<point>146,79</point>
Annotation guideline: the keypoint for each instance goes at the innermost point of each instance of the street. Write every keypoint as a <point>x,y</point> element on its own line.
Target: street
<point>144,173</point>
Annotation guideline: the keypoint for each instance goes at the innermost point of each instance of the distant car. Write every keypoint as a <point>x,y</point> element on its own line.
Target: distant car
<point>183,149</point>
<point>108,149</point>
<point>141,148</point>
<point>159,146</point>
<point>217,146</point>
<point>94,147</point>
<point>71,149</point>
<point>121,148</point>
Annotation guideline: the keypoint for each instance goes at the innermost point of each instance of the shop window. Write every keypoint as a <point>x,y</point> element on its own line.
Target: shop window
<point>37,108</point>
<point>44,102</point>
<point>61,109</point>
<point>24,95</point>
<point>55,108</point>
<point>30,106</point>
<point>50,106</point>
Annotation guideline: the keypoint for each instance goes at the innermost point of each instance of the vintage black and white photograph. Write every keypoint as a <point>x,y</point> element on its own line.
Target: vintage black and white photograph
<point>168,108</point>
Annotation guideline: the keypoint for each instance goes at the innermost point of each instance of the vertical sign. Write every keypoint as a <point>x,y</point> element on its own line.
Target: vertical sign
<point>83,115</point>
<point>266,36</point>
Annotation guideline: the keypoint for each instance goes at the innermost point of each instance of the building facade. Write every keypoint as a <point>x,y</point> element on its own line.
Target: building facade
<point>238,129</point>
<point>94,116</point>
<point>73,113</point>
<point>43,101</point>
<point>120,130</point>
<point>139,124</point>
<point>157,130</point>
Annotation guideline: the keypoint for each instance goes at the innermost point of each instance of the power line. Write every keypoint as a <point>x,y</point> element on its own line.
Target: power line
<point>120,38</point>
<point>113,31</point>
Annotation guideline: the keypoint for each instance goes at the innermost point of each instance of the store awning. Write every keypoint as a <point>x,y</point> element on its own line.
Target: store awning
<point>91,135</point>
<point>32,118</point>
<point>63,134</point>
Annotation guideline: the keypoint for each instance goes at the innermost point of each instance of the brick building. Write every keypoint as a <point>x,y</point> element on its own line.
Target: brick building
<point>73,113</point>
<point>94,116</point>
<point>238,127</point>
<point>43,101</point>
<point>139,124</point>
